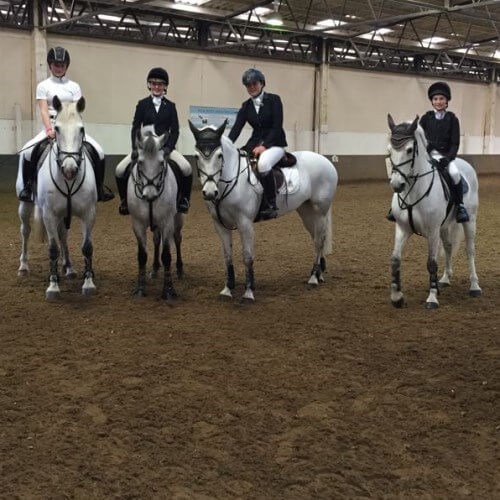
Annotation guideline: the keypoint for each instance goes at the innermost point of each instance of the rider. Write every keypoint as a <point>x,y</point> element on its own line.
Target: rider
<point>442,130</point>
<point>264,112</point>
<point>157,110</point>
<point>67,91</point>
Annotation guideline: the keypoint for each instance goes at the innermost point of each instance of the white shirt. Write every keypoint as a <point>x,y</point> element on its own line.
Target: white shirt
<point>439,114</point>
<point>257,101</point>
<point>156,102</point>
<point>66,90</point>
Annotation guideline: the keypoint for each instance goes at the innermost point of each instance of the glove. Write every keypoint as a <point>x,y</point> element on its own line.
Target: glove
<point>166,152</point>
<point>134,155</point>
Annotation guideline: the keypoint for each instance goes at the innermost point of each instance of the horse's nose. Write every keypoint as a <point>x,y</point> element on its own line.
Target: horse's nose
<point>70,172</point>
<point>398,188</point>
<point>210,195</point>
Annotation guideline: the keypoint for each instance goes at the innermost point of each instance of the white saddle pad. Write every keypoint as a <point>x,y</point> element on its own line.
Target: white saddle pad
<point>292,181</point>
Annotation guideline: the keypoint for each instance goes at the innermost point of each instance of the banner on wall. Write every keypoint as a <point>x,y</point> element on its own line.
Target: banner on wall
<point>203,116</point>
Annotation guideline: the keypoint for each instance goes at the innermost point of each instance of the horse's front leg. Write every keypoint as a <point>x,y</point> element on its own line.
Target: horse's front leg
<point>400,238</point>
<point>470,235</point>
<point>142,258</point>
<point>432,266</point>
<point>226,237</point>
<point>88,287</point>
<point>446,240</point>
<point>67,265</point>
<point>168,292</point>
<point>25,210</point>
<point>178,222</point>
<point>53,291</point>
<point>247,236</point>
<point>156,257</point>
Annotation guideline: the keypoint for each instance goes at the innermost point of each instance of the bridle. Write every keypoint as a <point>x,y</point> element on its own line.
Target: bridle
<point>142,181</point>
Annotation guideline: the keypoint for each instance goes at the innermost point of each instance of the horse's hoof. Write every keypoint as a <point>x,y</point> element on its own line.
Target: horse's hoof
<point>70,275</point>
<point>444,284</point>
<point>153,275</point>
<point>398,304</point>
<point>52,295</point>
<point>431,305</point>
<point>475,293</point>
<point>87,291</point>
<point>169,297</point>
<point>313,281</point>
<point>23,273</point>
<point>139,293</point>
<point>247,300</point>
<point>225,298</point>
<point>180,274</point>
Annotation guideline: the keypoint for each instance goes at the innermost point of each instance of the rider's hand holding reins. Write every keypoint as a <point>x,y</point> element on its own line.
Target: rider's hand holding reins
<point>257,150</point>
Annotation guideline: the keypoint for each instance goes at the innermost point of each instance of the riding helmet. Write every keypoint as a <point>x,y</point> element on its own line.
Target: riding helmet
<point>158,74</point>
<point>59,55</point>
<point>439,88</point>
<point>253,75</point>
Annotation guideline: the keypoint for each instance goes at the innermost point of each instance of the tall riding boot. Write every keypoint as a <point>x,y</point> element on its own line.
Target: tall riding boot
<point>185,185</point>
<point>458,198</point>
<point>269,210</point>
<point>121,184</point>
<point>29,175</point>
<point>99,169</point>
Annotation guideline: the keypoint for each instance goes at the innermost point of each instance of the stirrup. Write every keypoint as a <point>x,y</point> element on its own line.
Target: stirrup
<point>123,208</point>
<point>183,206</point>
<point>26,195</point>
<point>269,213</point>
<point>105,195</point>
<point>462,215</point>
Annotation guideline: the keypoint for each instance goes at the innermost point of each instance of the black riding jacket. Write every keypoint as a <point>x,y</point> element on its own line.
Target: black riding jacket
<point>164,121</point>
<point>267,124</point>
<point>442,135</point>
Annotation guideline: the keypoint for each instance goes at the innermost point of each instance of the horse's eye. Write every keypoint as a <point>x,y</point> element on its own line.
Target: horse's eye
<point>219,156</point>
<point>56,128</point>
<point>409,150</point>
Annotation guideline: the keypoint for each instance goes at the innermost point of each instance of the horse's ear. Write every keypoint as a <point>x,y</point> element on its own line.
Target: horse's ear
<point>390,122</point>
<point>221,129</point>
<point>80,104</point>
<point>56,102</point>
<point>164,139</point>
<point>195,131</point>
<point>414,124</point>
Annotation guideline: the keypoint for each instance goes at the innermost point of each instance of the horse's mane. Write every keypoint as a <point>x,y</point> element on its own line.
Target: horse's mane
<point>403,132</point>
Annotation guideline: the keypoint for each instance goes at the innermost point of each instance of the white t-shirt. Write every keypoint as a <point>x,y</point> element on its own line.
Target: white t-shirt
<point>66,90</point>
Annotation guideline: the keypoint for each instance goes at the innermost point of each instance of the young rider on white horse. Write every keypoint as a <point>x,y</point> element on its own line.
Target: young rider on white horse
<point>264,112</point>
<point>67,91</point>
<point>157,110</point>
<point>442,131</point>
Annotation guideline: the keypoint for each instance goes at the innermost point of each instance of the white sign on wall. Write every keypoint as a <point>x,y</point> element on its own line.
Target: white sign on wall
<point>203,116</point>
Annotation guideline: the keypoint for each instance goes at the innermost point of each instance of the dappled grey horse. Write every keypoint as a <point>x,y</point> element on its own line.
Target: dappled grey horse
<point>421,204</point>
<point>233,195</point>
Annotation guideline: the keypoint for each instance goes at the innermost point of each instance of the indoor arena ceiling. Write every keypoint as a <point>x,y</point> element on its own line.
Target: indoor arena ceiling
<point>457,37</point>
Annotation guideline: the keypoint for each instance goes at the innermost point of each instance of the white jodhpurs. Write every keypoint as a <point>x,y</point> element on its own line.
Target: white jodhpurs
<point>175,156</point>
<point>454,173</point>
<point>269,158</point>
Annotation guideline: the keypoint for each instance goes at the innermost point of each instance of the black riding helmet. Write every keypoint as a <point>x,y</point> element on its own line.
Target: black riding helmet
<point>253,75</point>
<point>158,74</point>
<point>439,88</point>
<point>59,55</point>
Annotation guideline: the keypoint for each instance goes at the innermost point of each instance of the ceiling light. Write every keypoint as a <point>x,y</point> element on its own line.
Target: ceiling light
<point>434,39</point>
<point>275,19</point>
<point>328,23</point>
<point>192,2</point>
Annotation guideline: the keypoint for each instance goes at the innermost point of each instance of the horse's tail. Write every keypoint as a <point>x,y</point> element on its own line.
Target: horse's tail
<point>327,245</point>
<point>38,226</point>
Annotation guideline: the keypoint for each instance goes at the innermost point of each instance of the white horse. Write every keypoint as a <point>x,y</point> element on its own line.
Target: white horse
<point>65,187</point>
<point>233,195</point>
<point>151,198</point>
<point>421,205</point>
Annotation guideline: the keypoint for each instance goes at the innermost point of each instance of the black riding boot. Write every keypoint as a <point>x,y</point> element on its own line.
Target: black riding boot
<point>185,184</point>
<point>29,174</point>
<point>99,169</point>
<point>121,184</point>
<point>390,216</point>
<point>458,198</point>
<point>269,209</point>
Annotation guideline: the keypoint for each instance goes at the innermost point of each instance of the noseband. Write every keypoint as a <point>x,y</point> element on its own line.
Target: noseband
<point>77,156</point>
<point>142,181</point>
<point>398,143</point>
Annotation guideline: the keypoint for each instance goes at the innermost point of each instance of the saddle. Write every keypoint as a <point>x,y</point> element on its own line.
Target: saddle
<point>447,181</point>
<point>39,152</point>
<point>287,161</point>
